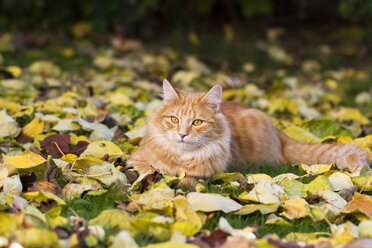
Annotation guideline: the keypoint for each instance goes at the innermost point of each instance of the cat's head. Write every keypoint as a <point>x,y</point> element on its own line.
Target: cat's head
<point>190,120</point>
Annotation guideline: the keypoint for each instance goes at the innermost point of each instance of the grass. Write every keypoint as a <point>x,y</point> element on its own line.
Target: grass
<point>89,207</point>
<point>257,219</point>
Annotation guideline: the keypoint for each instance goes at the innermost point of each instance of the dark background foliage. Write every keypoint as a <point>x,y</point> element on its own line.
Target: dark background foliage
<point>146,18</point>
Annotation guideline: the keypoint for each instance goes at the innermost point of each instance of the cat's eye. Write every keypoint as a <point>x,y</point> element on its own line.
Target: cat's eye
<point>197,122</point>
<point>174,119</point>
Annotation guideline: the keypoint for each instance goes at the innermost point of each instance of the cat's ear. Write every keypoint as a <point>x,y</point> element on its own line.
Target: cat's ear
<point>213,98</point>
<point>169,93</point>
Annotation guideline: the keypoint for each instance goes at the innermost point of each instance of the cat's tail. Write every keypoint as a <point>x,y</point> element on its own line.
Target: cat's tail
<point>343,155</point>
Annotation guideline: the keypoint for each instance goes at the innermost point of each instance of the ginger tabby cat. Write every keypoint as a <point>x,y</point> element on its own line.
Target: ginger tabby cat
<point>200,134</point>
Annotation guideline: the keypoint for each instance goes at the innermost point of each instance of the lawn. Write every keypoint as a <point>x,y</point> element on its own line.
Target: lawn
<point>71,112</point>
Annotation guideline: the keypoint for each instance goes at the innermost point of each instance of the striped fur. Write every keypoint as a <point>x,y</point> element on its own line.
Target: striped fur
<point>230,134</point>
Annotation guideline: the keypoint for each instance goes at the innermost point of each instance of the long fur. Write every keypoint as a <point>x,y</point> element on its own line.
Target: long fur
<point>230,134</point>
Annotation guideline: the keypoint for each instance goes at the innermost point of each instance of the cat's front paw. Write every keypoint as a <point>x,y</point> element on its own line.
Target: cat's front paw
<point>142,169</point>
<point>351,156</point>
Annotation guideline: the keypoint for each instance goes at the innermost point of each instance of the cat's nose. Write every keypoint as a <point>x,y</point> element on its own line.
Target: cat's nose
<point>182,135</point>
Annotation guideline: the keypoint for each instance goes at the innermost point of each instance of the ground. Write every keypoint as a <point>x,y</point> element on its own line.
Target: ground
<point>73,111</point>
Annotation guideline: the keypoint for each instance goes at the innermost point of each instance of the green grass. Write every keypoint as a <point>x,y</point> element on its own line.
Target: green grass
<point>257,219</point>
<point>89,207</point>
<point>305,225</point>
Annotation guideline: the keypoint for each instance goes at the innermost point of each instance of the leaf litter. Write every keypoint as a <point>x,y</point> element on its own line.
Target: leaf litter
<point>82,133</point>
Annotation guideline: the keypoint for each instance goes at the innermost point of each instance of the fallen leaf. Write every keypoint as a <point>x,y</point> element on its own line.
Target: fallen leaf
<point>340,181</point>
<point>316,169</point>
<point>57,145</point>
<point>318,184</point>
<point>296,208</point>
<point>263,192</point>
<point>263,208</point>
<point>35,127</point>
<point>123,240</point>
<point>365,229</point>
<point>100,148</point>
<point>43,197</point>
<point>363,183</point>
<point>8,126</point>
<point>24,160</point>
<point>112,218</point>
<point>36,237</point>
<point>207,202</point>
<point>272,219</point>
<point>359,204</point>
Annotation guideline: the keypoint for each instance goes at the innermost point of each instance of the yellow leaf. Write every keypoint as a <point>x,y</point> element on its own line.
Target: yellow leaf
<point>255,178</point>
<point>35,127</point>
<point>316,169</point>
<point>36,237</point>
<point>158,199</point>
<point>296,208</point>
<point>352,114</point>
<point>263,192</point>
<point>272,219</point>
<point>8,224</point>
<point>363,183</point>
<point>112,218</point>
<point>318,184</point>
<point>100,148</point>
<point>43,196</point>
<point>263,208</point>
<point>75,139</point>
<point>24,160</point>
<point>207,202</point>
<point>69,157</point>
<point>14,70</point>
<point>85,161</point>
<point>117,98</point>
<point>281,104</point>
<point>54,217</point>
<point>185,214</point>
<point>301,135</point>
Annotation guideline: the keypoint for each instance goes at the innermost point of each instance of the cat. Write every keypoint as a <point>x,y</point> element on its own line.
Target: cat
<point>201,135</point>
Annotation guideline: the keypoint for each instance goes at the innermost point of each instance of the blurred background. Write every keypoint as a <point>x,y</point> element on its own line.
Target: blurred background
<point>257,41</point>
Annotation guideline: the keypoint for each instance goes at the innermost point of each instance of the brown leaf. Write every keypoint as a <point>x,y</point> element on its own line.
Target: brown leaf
<point>314,199</point>
<point>215,239</point>
<point>62,232</point>
<point>149,180</point>
<point>57,145</point>
<point>80,147</point>
<point>45,186</point>
<point>347,194</point>
<point>131,176</point>
<point>28,181</point>
<point>23,138</point>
